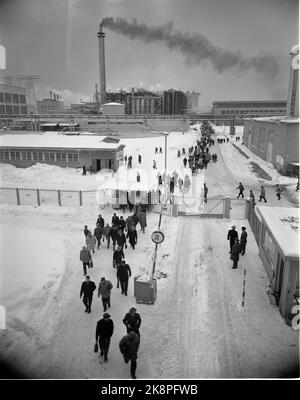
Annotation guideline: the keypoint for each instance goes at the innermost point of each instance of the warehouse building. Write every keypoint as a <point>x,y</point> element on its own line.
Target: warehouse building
<point>100,152</point>
<point>249,108</point>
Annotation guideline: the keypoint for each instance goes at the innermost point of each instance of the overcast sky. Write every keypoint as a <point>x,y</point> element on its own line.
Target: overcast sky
<point>57,39</point>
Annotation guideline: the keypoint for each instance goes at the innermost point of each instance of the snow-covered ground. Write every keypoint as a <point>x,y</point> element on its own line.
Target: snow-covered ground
<point>196,328</point>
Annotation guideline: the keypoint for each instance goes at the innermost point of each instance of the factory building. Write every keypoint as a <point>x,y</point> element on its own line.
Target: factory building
<point>276,139</point>
<point>248,108</point>
<point>12,100</point>
<point>174,102</point>
<point>143,105</point>
<point>48,106</point>
<point>112,109</point>
<point>62,150</point>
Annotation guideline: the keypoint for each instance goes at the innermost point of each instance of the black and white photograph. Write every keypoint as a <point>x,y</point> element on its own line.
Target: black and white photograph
<point>149,191</point>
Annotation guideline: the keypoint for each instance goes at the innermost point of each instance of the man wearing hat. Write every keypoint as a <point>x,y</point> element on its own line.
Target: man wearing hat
<point>87,289</point>
<point>104,332</point>
<point>232,234</point>
<point>132,321</point>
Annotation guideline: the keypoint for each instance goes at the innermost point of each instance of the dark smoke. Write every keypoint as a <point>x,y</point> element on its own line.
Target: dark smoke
<point>196,47</point>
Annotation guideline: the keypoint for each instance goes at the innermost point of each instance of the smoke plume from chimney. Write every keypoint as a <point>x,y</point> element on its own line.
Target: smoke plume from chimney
<point>194,46</point>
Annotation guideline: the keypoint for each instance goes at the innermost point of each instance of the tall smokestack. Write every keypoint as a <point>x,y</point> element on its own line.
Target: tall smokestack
<point>101,36</point>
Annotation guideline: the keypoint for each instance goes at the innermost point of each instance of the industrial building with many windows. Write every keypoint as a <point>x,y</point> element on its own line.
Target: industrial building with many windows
<point>248,108</point>
<point>12,100</point>
<point>99,152</point>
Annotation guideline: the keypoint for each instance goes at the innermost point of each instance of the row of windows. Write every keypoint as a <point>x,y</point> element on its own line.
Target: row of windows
<point>38,156</point>
<point>12,98</point>
<point>252,111</point>
<point>249,105</point>
<point>13,109</point>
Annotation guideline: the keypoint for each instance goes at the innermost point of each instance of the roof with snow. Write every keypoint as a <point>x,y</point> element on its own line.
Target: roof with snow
<point>280,119</point>
<point>283,222</point>
<point>54,140</point>
<point>113,104</point>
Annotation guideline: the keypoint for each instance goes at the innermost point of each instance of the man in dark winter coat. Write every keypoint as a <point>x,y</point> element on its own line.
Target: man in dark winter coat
<point>241,190</point>
<point>205,189</point>
<point>232,234</point>
<point>104,332</point>
<point>243,240</point>
<point>104,290</point>
<point>124,273</point>
<point>98,231</point>
<point>132,321</point>
<point>87,289</point>
<point>115,220</point>
<point>118,256</point>
<point>85,257</point>
<point>262,194</point>
<point>235,253</point>
<point>121,239</point>
<point>113,235</point>
<point>100,221</point>
<point>129,346</point>
<point>86,230</point>
<point>122,224</point>
<point>129,223</point>
<point>106,233</point>
<point>132,236</point>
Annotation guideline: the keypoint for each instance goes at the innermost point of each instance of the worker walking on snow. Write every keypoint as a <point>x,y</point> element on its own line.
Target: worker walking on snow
<point>104,332</point>
<point>104,290</point>
<point>205,188</point>
<point>85,258</point>
<point>91,242</point>
<point>87,289</point>
<point>231,236</point>
<point>262,194</point>
<point>241,190</point>
<point>243,240</point>
<point>278,191</point>
<point>235,253</point>
<point>132,321</point>
<point>129,346</point>
<point>124,273</point>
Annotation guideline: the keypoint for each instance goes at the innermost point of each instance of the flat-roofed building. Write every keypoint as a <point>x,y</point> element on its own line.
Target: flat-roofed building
<point>229,109</point>
<point>100,152</point>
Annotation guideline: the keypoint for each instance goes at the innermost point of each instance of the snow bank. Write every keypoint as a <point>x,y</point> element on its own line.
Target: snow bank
<point>30,262</point>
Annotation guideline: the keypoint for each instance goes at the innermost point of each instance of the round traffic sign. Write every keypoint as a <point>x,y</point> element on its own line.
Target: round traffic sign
<point>157,237</point>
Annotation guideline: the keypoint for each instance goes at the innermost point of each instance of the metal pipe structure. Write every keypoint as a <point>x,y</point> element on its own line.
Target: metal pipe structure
<point>102,80</point>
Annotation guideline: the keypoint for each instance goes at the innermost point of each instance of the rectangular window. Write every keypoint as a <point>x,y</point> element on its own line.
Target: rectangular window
<point>1,155</point>
<point>76,157</point>
<point>7,97</point>
<point>52,158</point>
<point>15,98</point>
<point>70,157</point>
<point>40,156</point>
<point>6,155</point>
<point>35,156</point>
<point>28,155</point>
<point>63,157</point>
<point>9,110</point>
<point>1,97</point>
<point>47,156</point>
<point>58,157</point>
<point>16,109</point>
<point>23,110</point>
<point>2,109</point>
<point>18,155</point>
<point>223,112</point>
<point>22,99</point>
<point>12,155</point>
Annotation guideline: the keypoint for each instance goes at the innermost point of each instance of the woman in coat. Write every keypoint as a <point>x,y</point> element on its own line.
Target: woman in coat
<point>235,253</point>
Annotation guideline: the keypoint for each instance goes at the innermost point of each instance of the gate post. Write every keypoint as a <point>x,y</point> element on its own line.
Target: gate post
<point>18,196</point>
<point>226,207</point>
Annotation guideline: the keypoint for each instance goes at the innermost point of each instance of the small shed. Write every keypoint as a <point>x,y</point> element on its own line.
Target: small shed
<point>279,251</point>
